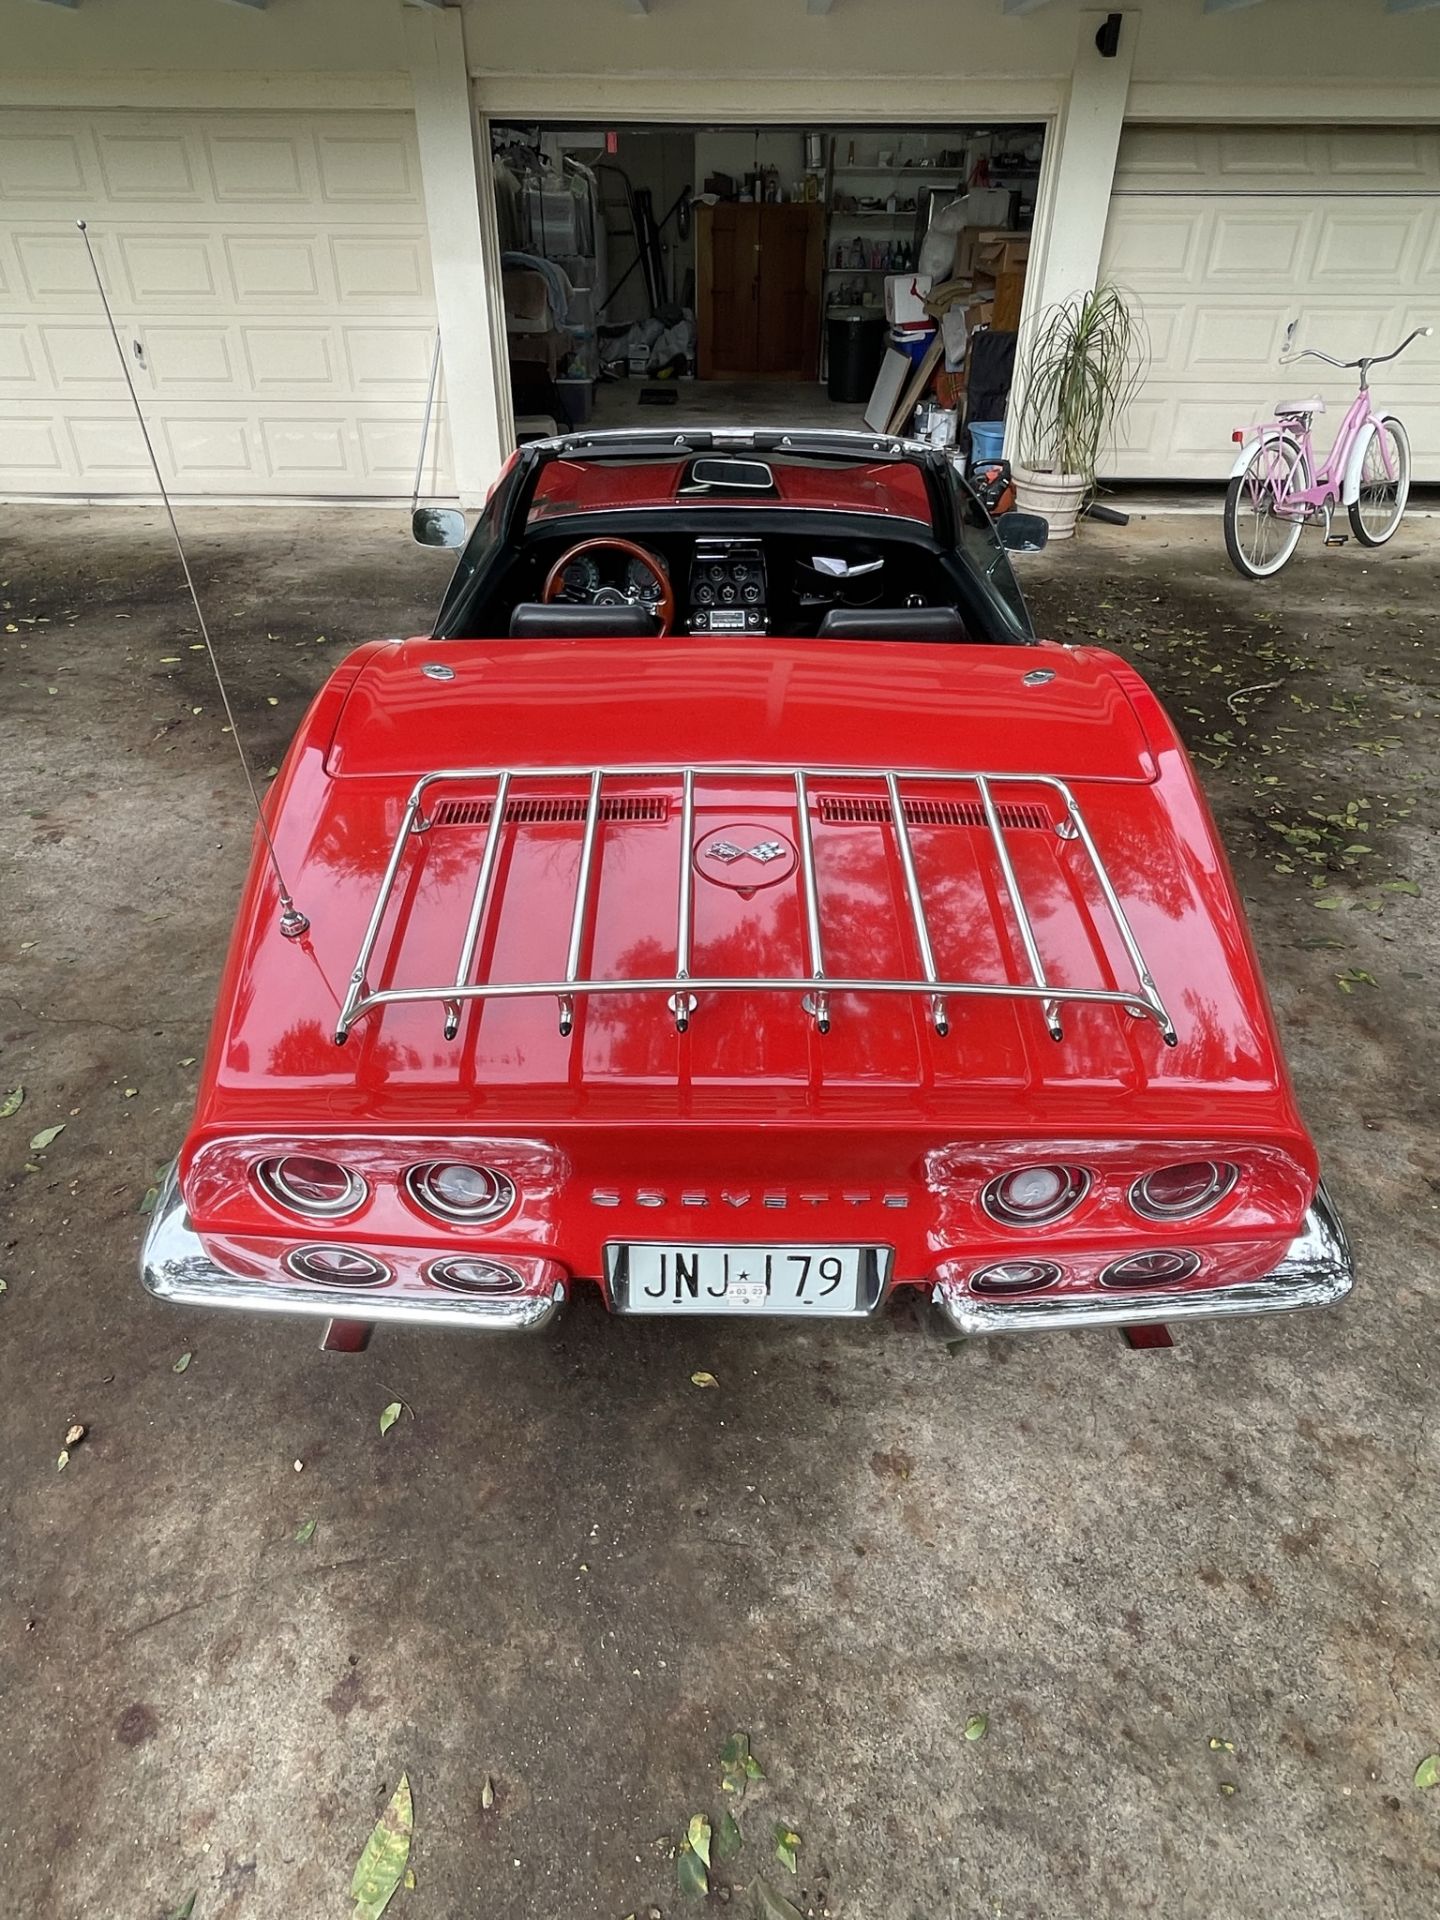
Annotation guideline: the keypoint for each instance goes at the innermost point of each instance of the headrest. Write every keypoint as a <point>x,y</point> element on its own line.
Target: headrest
<point>534,620</point>
<point>892,623</point>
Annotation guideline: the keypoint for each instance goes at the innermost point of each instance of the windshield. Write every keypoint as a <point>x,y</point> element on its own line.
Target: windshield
<point>758,483</point>
<point>776,539</point>
<point>982,548</point>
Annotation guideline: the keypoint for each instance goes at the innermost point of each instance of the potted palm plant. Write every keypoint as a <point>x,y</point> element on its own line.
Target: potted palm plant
<point>1080,367</point>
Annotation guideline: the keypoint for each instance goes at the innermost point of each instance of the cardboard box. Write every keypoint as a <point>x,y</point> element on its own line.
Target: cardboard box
<point>998,252</point>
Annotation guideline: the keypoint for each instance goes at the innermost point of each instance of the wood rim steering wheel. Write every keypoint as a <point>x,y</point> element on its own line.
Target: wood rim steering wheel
<point>664,607</point>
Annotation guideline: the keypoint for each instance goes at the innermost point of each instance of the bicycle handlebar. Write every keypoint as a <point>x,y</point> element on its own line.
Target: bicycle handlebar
<point>1371,360</point>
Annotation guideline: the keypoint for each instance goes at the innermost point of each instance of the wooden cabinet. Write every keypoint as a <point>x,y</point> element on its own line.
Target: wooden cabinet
<point>759,270</point>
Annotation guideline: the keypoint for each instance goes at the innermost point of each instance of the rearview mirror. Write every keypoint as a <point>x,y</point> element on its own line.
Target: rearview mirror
<point>1023,532</point>
<point>438,527</point>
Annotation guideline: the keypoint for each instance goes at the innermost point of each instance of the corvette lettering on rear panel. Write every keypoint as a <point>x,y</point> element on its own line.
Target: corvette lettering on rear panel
<point>742,1197</point>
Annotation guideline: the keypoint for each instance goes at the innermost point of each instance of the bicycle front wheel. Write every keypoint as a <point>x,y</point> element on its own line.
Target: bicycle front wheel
<point>1375,515</point>
<point>1258,539</point>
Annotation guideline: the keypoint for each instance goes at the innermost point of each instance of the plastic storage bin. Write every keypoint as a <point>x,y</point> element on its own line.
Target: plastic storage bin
<point>987,439</point>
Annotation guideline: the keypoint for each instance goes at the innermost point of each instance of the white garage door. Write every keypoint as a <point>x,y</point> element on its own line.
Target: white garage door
<point>1228,235</point>
<point>270,275</point>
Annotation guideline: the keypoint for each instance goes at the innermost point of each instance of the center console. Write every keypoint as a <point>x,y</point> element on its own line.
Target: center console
<point>728,587</point>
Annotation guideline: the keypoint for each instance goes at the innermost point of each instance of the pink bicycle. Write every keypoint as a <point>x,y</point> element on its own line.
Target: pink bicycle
<point>1276,491</point>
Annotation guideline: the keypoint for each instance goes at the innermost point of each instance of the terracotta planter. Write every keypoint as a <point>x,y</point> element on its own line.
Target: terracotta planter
<point>1056,496</point>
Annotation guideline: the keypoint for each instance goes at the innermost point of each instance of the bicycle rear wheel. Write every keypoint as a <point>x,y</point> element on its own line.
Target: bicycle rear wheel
<point>1376,514</point>
<point>1259,540</point>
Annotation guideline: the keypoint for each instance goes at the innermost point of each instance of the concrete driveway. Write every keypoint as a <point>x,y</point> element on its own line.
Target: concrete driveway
<point>1193,1591</point>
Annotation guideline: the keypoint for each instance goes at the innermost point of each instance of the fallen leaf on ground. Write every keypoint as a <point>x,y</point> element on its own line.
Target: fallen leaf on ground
<point>487,1793</point>
<point>63,1461</point>
<point>1360,976</point>
<point>728,1836</point>
<point>786,1841</point>
<point>1217,1745</point>
<point>182,1363</point>
<point>186,1907</point>
<point>382,1864</point>
<point>74,1435</point>
<point>1427,1774</point>
<point>702,1379</point>
<point>305,1531</point>
<point>390,1416</point>
<point>733,1756</point>
<point>1227,1787</point>
<point>45,1137</point>
<point>148,1200</point>
<point>977,1726</point>
<point>769,1905</point>
<point>12,1102</point>
<point>698,1836</point>
<point>188,1061</point>
<point>690,1871</point>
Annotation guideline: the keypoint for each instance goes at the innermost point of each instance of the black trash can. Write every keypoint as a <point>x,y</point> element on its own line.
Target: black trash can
<point>855,345</point>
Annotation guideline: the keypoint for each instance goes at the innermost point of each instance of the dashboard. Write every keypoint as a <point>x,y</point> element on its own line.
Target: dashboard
<point>783,583</point>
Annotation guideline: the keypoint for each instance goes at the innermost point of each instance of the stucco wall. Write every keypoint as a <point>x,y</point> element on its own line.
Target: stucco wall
<point>712,44</point>
<point>198,36</point>
<point>1296,40</point>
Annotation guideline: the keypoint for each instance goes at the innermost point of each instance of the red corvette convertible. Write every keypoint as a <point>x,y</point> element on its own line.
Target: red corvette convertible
<point>731,904</point>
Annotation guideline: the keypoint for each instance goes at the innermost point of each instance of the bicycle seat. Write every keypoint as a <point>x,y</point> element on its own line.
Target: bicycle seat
<point>1289,409</point>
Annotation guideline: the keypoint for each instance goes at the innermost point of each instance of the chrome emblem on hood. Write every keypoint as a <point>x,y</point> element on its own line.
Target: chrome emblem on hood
<point>764,850</point>
<point>746,856</point>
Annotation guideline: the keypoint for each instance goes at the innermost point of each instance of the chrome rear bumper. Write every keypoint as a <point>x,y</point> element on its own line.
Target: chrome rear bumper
<point>174,1266</point>
<point>1316,1272</point>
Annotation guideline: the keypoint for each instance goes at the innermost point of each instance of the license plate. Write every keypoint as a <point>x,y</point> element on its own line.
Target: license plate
<point>812,1281</point>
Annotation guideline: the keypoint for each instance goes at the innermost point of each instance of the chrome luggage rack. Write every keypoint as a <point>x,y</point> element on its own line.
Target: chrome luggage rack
<point>684,986</point>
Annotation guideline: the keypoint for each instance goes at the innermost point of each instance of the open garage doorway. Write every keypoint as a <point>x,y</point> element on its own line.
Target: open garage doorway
<point>687,274</point>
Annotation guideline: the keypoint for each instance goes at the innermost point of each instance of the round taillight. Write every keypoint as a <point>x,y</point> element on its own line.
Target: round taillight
<point>1035,1196</point>
<point>337,1266</point>
<point>1015,1276</point>
<point>475,1276</point>
<point>304,1183</point>
<point>453,1190</point>
<point>1181,1191</point>
<point>1165,1267</point>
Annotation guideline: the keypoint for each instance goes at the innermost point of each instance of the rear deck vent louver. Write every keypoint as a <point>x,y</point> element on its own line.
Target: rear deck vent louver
<point>845,810</point>
<point>476,813</point>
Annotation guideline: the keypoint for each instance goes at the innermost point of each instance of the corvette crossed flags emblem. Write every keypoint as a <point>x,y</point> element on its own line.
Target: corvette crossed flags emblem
<point>764,851</point>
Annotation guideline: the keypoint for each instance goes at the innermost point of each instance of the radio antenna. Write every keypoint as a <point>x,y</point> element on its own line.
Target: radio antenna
<point>425,430</point>
<point>292,922</point>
